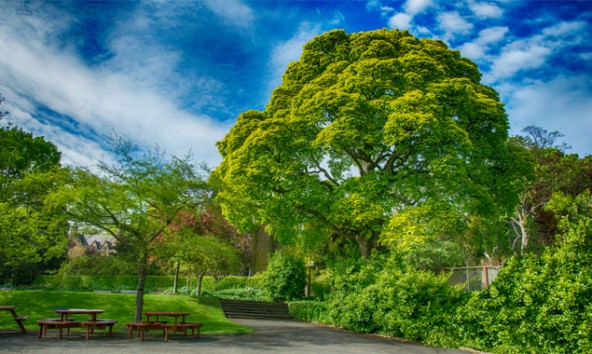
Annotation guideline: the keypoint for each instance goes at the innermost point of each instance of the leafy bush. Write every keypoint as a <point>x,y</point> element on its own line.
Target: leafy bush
<point>385,295</point>
<point>236,282</point>
<point>311,311</point>
<point>540,304</point>
<point>97,265</point>
<point>285,277</point>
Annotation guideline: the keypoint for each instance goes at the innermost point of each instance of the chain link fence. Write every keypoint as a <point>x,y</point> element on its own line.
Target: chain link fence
<point>474,278</point>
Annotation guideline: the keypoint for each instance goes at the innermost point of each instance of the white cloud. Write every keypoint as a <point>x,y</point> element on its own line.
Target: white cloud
<point>337,19</point>
<point>563,104</point>
<point>100,99</point>
<point>514,60</point>
<point>413,7</point>
<point>486,10</point>
<point>400,21</point>
<point>233,11</point>
<point>482,44</point>
<point>453,23</point>
<point>565,28</point>
<point>290,50</point>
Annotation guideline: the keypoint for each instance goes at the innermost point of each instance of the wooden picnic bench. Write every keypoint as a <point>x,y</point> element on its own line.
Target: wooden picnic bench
<point>142,327</point>
<point>18,319</point>
<point>56,323</point>
<point>98,324</point>
<point>65,322</point>
<point>182,327</point>
<point>153,321</point>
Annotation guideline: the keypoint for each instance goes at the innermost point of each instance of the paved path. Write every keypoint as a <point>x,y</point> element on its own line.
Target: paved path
<point>283,337</point>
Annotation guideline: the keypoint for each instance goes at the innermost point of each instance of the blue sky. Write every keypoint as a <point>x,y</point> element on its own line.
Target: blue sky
<point>178,73</point>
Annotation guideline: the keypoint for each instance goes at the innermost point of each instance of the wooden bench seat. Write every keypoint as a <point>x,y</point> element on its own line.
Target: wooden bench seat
<point>55,323</point>
<point>182,327</point>
<point>90,326</point>
<point>18,319</point>
<point>142,327</point>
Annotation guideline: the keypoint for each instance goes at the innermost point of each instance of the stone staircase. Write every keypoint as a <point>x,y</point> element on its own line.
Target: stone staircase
<point>254,309</point>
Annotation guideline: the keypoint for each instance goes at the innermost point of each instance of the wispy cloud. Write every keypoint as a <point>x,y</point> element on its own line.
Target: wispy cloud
<point>234,12</point>
<point>414,7</point>
<point>290,50</point>
<point>563,104</point>
<point>485,10</point>
<point>452,23</point>
<point>124,98</point>
<point>404,19</point>
<point>488,37</point>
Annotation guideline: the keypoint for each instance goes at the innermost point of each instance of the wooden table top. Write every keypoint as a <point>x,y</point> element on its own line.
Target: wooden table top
<point>78,311</point>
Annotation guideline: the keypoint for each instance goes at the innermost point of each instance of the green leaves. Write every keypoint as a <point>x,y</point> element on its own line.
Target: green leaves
<point>363,126</point>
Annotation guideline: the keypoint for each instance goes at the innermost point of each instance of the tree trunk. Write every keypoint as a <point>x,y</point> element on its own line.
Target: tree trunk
<point>200,277</point>
<point>176,280</point>
<point>366,245</point>
<point>519,225</point>
<point>142,272</point>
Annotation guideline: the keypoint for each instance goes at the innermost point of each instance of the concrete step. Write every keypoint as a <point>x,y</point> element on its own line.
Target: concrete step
<point>254,309</point>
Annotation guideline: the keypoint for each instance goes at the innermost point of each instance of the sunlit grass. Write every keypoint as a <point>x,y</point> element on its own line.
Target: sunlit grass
<point>121,307</point>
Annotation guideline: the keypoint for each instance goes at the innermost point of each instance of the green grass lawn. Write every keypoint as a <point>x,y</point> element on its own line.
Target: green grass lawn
<point>121,307</point>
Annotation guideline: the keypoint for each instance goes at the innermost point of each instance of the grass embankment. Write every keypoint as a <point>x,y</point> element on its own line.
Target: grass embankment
<point>121,307</point>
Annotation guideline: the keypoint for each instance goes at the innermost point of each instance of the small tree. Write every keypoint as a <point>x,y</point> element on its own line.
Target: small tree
<point>285,277</point>
<point>134,200</point>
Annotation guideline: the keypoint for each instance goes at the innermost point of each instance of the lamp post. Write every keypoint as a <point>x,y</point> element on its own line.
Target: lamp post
<point>309,265</point>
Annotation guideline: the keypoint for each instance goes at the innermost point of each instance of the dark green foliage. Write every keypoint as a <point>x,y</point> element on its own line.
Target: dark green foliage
<point>32,233</point>
<point>285,277</point>
<point>97,265</point>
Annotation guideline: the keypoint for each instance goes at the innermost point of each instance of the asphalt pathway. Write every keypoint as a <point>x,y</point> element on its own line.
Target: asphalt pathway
<point>271,336</point>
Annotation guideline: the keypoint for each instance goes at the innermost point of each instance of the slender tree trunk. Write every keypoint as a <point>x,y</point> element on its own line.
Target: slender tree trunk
<point>200,277</point>
<point>176,280</point>
<point>519,225</point>
<point>188,281</point>
<point>142,272</point>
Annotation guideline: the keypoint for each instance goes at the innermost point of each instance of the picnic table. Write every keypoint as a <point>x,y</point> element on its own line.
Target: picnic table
<point>18,319</point>
<point>153,321</point>
<point>65,322</point>
<point>159,314</point>
<point>65,312</point>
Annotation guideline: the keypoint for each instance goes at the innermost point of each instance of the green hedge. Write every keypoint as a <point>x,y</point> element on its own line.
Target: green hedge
<point>238,282</point>
<point>310,311</point>
<point>153,282</point>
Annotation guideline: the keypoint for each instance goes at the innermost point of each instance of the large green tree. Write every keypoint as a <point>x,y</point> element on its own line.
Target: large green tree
<point>134,199</point>
<point>363,128</point>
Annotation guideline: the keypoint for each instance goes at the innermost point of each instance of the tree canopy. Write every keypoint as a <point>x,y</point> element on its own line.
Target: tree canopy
<point>135,200</point>
<point>368,130</point>
<point>32,234</point>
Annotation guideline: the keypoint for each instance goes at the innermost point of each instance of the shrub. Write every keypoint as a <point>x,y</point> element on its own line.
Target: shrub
<point>97,265</point>
<point>540,304</point>
<point>237,282</point>
<point>385,295</point>
<point>285,277</point>
<point>311,311</point>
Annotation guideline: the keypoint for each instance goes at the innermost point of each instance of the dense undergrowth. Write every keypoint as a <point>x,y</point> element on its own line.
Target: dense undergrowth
<point>537,304</point>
